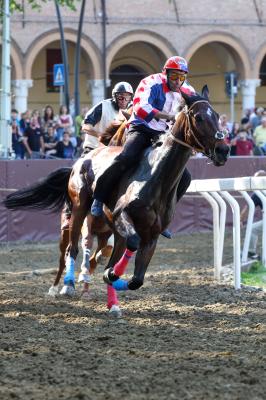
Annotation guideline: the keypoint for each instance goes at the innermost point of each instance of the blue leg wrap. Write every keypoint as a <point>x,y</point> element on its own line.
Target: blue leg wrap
<point>70,272</point>
<point>120,284</point>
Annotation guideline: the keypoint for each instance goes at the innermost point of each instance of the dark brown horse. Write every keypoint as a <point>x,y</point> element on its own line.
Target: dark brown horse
<point>142,204</point>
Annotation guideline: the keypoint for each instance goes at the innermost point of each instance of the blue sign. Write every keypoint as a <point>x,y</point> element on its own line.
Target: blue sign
<point>59,75</point>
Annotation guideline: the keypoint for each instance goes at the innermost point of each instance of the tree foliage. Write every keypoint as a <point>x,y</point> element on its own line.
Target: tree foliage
<point>16,5</point>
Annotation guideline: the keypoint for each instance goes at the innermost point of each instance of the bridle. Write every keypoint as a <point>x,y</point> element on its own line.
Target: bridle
<point>219,135</point>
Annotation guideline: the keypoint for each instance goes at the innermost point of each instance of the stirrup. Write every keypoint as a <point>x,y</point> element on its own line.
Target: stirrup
<point>97,208</point>
<point>166,233</point>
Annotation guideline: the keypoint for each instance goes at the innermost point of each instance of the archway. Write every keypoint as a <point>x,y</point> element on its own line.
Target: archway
<point>134,61</point>
<point>44,52</point>
<point>211,60</point>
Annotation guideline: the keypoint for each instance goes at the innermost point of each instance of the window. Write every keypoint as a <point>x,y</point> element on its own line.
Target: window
<point>53,56</point>
<point>263,72</point>
<point>128,73</point>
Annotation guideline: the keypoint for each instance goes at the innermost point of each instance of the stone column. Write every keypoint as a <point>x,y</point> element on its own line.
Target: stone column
<point>20,89</point>
<point>248,88</point>
<point>96,89</point>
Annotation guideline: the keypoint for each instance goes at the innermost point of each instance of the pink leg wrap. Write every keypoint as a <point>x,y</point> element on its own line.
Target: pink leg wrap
<point>111,297</point>
<point>121,265</point>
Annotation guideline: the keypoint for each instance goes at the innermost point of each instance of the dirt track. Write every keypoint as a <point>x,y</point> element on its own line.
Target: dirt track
<point>182,336</point>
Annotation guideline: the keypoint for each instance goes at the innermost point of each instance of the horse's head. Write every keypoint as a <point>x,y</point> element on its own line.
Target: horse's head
<point>201,129</point>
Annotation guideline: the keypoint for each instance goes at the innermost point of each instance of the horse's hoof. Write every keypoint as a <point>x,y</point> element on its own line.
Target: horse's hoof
<point>84,278</point>
<point>115,311</point>
<point>53,291</point>
<point>109,276</point>
<point>68,291</point>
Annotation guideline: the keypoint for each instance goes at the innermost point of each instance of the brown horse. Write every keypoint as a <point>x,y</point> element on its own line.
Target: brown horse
<point>30,197</point>
<point>142,204</point>
<point>113,136</point>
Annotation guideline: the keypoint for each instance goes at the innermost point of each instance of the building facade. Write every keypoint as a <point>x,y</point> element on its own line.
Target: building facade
<point>140,36</point>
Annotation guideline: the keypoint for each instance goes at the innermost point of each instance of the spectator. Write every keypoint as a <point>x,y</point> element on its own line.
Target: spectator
<point>64,122</point>
<point>64,148</point>
<point>36,113</point>
<point>48,118</point>
<point>72,138</point>
<point>17,140</point>
<point>244,146</point>
<point>34,142</point>
<point>256,226</point>
<point>233,138</point>
<point>15,116</point>
<point>246,117</point>
<point>79,120</point>
<point>255,119</point>
<point>260,135</point>
<point>24,121</point>
<point>225,125</point>
<point>49,138</point>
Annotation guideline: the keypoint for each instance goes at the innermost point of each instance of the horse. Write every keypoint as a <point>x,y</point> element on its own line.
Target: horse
<point>142,204</point>
<point>114,135</point>
<point>26,199</point>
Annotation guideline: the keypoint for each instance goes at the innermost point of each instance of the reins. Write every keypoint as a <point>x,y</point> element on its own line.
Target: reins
<point>189,132</point>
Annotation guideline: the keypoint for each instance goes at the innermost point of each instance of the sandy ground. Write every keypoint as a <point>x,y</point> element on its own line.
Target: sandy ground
<point>182,336</point>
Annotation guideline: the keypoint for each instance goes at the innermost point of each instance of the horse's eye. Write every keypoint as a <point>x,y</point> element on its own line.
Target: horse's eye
<point>199,118</point>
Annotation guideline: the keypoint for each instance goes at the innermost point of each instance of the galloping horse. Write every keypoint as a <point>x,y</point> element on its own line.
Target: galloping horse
<point>32,196</point>
<point>142,204</point>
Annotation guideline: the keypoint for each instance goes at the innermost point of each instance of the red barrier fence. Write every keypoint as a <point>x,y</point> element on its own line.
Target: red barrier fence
<point>192,214</point>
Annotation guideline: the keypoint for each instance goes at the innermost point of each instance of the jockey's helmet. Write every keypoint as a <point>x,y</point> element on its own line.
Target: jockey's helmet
<point>175,62</point>
<point>122,87</point>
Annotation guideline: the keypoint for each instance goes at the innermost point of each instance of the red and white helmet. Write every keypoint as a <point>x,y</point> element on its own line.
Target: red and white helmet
<point>175,62</point>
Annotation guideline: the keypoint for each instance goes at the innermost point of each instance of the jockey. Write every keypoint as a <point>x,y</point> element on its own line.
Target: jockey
<point>155,106</point>
<point>105,113</point>
<point>97,119</point>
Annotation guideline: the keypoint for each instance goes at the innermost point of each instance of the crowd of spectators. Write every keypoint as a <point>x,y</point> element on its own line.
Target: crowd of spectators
<point>59,136</point>
<point>248,137</point>
<point>38,135</point>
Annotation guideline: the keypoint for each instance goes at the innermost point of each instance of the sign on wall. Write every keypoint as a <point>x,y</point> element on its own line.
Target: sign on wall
<point>59,75</point>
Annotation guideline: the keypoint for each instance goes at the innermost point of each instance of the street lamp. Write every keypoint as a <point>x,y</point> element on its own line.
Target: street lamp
<point>5,93</point>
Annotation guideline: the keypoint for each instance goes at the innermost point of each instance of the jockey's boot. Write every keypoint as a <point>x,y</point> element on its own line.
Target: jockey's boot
<point>166,233</point>
<point>97,208</point>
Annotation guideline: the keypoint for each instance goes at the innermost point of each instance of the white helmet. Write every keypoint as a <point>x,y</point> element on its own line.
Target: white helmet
<point>122,87</point>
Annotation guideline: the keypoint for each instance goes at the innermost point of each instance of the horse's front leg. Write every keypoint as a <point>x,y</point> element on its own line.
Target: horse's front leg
<point>64,240</point>
<point>86,244</point>
<point>79,213</point>
<point>126,243</point>
<point>142,260</point>
<point>112,299</point>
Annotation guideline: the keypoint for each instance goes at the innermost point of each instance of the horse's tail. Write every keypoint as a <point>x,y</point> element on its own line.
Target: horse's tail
<point>49,193</point>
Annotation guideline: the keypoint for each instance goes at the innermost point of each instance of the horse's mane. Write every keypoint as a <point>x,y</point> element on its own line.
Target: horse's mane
<point>108,134</point>
<point>193,98</point>
<point>114,136</point>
